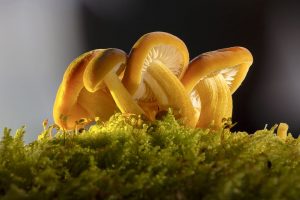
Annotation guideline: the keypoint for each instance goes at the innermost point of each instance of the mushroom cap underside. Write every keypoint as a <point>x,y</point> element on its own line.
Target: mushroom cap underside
<point>161,46</point>
<point>233,63</point>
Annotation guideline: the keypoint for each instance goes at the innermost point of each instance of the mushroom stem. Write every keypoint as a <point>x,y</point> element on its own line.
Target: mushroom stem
<point>158,91</point>
<point>120,94</point>
<point>216,101</point>
<point>169,92</point>
<point>97,104</point>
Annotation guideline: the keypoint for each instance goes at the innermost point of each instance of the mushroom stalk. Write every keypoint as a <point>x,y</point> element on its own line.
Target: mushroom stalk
<point>97,104</point>
<point>169,92</point>
<point>216,101</point>
<point>120,94</point>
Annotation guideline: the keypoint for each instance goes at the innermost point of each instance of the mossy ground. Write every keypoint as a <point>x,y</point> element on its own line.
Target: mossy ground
<point>127,158</point>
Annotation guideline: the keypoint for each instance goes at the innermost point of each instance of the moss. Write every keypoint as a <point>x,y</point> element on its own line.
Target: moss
<point>127,158</point>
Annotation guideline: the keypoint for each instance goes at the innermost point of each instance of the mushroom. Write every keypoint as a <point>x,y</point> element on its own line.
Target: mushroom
<point>73,102</point>
<point>156,63</point>
<point>211,79</point>
<point>282,131</point>
<point>101,72</point>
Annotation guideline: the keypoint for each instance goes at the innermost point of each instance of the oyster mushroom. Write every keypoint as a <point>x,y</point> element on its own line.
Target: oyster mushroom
<point>73,102</point>
<point>156,63</point>
<point>212,78</point>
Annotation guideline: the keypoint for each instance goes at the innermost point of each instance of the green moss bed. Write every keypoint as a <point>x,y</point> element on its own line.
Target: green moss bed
<point>127,158</point>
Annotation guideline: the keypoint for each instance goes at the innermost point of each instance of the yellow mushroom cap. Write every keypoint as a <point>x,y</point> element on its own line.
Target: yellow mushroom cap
<point>165,47</point>
<point>233,63</point>
<point>100,65</point>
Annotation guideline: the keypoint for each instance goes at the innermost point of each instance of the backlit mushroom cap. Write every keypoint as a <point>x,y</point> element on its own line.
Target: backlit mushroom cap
<point>70,103</point>
<point>233,63</point>
<point>211,78</point>
<point>156,63</point>
<point>165,47</point>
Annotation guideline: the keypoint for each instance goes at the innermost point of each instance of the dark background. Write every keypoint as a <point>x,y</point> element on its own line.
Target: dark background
<point>39,38</point>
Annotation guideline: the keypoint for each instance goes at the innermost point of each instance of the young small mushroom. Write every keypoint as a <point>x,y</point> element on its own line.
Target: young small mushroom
<point>73,102</point>
<point>101,72</point>
<point>282,131</point>
<point>156,63</point>
<point>212,78</point>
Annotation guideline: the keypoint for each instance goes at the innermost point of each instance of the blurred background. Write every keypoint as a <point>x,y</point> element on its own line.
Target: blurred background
<point>39,38</point>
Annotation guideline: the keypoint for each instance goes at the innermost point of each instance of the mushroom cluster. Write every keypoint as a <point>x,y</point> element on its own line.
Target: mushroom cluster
<point>155,76</point>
